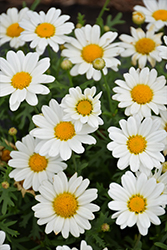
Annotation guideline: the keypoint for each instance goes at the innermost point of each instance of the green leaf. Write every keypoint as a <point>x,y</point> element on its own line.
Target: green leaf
<point>159,244</point>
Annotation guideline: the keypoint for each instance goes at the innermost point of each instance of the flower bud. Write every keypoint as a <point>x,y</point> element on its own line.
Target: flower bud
<point>106,28</point>
<point>5,184</point>
<point>98,63</point>
<point>12,131</point>
<point>78,25</point>
<point>5,155</point>
<point>138,17</point>
<point>164,167</point>
<point>105,227</point>
<point>66,64</point>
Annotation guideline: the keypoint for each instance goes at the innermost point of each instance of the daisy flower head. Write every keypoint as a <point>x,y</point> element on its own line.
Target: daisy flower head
<point>46,29</point>
<point>137,144</point>
<point>155,12</point>
<point>89,46</point>
<point>10,30</point>
<point>65,206</point>
<point>59,136</point>
<point>141,92</point>
<point>82,108</point>
<point>2,239</point>
<point>138,201</point>
<point>32,167</point>
<point>141,46</point>
<point>163,49</point>
<point>83,246</point>
<point>21,76</point>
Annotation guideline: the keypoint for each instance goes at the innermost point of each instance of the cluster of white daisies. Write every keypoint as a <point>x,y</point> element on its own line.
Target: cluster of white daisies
<point>61,129</point>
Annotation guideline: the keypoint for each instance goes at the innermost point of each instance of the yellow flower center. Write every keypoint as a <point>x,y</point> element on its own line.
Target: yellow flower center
<point>84,107</point>
<point>45,30</point>
<point>21,80</point>
<point>160,15</point>
<point>91,52</point>
<point>137,204</point>
<point>14,30</point>
<point>38,163</point>
<point>65,205</point>
<point>136,144</point>
<point>145,46</point>
<point>64,131</point>
<point>142,94</point>
<point>165,127</point>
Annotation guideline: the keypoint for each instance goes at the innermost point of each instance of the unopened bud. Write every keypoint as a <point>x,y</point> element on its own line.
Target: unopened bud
<point>66,64</point>
<point>5,184</point>
<point>12,131</point>
<point>105,227</point>
<point>78,25</point>
<point>98,63</point>
<point>164,167</point>
<point>138,17</point>
<point>106,28</point>
<point>5,156</point>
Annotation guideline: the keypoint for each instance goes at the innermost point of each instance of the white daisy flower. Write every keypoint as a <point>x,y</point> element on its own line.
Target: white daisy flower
<point>155,12</point>
<point>32,167</point>
<point>138,144</point>
<point>65,206</point>
<point>141,46</point>
<point>141,92</point>
<point>161,178</point>
<point>46,29</point>
<point>163,50</point>
<point>21,76</point>
<point>2,239</point>
<point>138,201</point>
<point>10,29</point>
<point>89,46</point>
<point>59,135</point>
<point>82,108</point>
<point>83,246</point>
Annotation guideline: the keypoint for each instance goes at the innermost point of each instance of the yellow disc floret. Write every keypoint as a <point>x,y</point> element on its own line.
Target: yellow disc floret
<point>142,94</point>
<point>65,205</point>
<point>136,144</point>
<point>91,52</point>
<point>64,131</point>
<point>45,30</point>
<point>21,80</point>
<point>137,204</point>
<point>14,30</point>
<point>84,107</point>
<point>144,46</point>
<point>160,15</point>
<point>38,163</point>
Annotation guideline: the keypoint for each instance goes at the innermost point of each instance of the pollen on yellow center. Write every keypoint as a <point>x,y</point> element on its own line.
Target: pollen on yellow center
<point>144,46</point>
<point>137,204</point>
<point>136,144</point>
<point>142,94</point>
<point>21,80</point>
<point>64,131</point>
<point>84,107</point>
<point>65,205</point>
<point>91,52</point>
<point>14,30</point>
<point>160,15</point>
<point>46,30</point>
<point>38,163</point>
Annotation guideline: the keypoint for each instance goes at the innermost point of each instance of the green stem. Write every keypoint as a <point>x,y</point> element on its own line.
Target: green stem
<point>107,89</point>
<point>137,241</point>
<point>70,78</point>
<point>74,162</point>
<point>99,133</point>
<point>36,110</point>
<point>103,9</point>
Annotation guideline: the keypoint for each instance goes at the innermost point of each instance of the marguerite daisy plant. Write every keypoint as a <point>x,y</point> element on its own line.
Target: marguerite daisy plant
<point>31,167</point>
<point>137,144</point>
<point>21,76</point>
<point>46,29</point>
<point>10,30</point>
<point>138,201</point>
<point>58,135</point>
<point>141,46</point>
<point>141,92</point>
<point>88,46</point>
<point>155,12</point>
<point>65,205</point>
<point>82,107</point>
